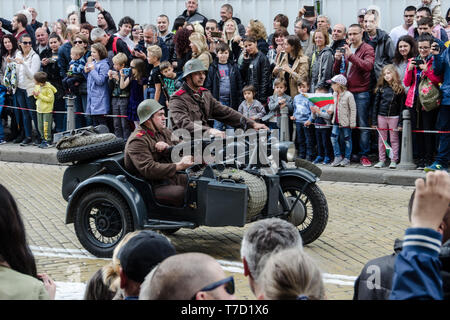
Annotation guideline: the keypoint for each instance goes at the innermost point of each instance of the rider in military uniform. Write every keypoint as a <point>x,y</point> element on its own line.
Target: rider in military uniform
<point>193,103</point>
<point>146,155</point>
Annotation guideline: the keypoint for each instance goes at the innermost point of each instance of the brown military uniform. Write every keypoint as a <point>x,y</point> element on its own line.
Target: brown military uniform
<point>187,107</point>
<point>142,158</point>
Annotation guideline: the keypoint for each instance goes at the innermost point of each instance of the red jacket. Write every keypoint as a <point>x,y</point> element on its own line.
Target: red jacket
<point>358,80</point>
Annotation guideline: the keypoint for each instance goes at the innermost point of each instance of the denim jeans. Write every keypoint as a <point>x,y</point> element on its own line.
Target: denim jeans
<point>443,124</point>
<point>2,133</point>
<point>60,119</point>
<point>347,133</point>
<point>323,142</point>
<point>24,101</point>
<point>219,125</point>
<point>304,140</point>
<point>362,101</point>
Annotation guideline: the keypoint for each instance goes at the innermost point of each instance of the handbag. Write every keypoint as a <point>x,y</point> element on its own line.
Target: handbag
<point>429,94</point>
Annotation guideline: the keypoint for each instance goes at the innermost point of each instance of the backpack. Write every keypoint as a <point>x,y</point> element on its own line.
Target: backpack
<point>429,94</point>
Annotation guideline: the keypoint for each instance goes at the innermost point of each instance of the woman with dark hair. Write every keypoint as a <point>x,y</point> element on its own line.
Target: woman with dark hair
<point>85,29</point>
<point>137,34</point>
<point>8,78</point>
<point>405,50</point>
<point>292,65</point>
<point>18,274</point>
<point>182,48</point>
<point>277,46</point>
<point>280,21</point>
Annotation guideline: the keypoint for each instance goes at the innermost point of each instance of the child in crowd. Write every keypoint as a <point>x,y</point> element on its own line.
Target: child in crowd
<point>224,81</point>
<point>387,108</point>
<point>169,78</point>
<point>344,119</point>
<point>75,73</point>
<point>278,101</point>
<point>250,107</point>
<point>119,97</point>
<point>154,54</point>
<point>138,84</point>
<point>44,93</point>
<point>321,120</point>
<point>302,116</point>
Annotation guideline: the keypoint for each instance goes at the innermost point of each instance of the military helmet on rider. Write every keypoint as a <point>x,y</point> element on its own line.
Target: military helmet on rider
<point>193,65</point>
<point>147,109</point>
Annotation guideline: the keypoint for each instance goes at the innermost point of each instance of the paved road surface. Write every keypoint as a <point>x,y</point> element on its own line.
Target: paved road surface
<point>364,221</point>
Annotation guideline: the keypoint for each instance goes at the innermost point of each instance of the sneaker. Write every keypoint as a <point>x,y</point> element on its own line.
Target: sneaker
<point>26,142</point>
<point>2,141</point>
<point>37,142</point>
<point>355,158</point>
<point>327,160</point>
<point>380,164</point>
<point>365,162</point>
<point>44,145</point>
<point>345,162</point>
<point>337,161</point>
<point>19,139</point>
<point>434,167</point>
<point>393,165</point>
<point>318,160</point>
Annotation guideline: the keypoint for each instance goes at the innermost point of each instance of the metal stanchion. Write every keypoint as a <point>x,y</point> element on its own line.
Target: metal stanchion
<point>284,125</point>
<point>70,112</point>
<point>169,120</point>
<point>406,160</point>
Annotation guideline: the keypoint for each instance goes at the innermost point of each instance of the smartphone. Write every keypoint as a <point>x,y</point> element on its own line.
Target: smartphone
<point>126,71</point>
<point>215,34</point>
<point>90,6</point>
<point>309,11</point>
<point>418,61</point>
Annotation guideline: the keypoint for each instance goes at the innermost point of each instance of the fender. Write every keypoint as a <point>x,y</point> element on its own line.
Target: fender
<point>299,173</point>
<point>119,183</point>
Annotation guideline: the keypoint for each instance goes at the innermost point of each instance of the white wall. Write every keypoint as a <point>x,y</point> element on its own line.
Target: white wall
<point>146,11</point>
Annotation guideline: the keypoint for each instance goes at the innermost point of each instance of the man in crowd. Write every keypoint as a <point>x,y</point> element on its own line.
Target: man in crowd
<point>360,16</point>
<point>226,13</point>
<point>401,30</point>
<point>359,61</point>
<point>151,38</point>
<point>138,257</point>
<point>125,26</point>
<point>302,29</point>
<point>162,23</point>
<point>18,27</point>
<point>191,13</point>
<point>338,36</point>
<point>262,238</point>
<point>34,23</point>
<point>193,105</point>
<point>64,50</point>
<point>188,276</point>
<point>425,12</point>
<point>112,43</point>
<point>42,39</point>
<point>324,24</point>
<point>104,19</point>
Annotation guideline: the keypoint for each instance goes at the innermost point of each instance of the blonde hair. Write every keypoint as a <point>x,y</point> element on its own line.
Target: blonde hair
<point>396,83</point>
<point>120,59</point>
<point>198,27</point>
<point>79,51</point>
<point>111,272</point>
<point>199,40</point>
<point>236,30</point>
<point>155,51</point>
<point>257,29</point>
<point>290,274</point>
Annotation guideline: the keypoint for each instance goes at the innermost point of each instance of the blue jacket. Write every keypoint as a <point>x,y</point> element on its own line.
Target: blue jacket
<point>64,58</point>
<point>441,66</point>
<point>302,108</point>
<point>98,89</point>
<point>78,65</point>
<point>417,267</point>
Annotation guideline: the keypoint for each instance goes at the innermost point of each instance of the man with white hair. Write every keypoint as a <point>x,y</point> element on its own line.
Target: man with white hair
<point>191,13</point>
<point>42,39</point>
<point>33,22</point>
<point>151,38</point>
<point>263,238</point>
<point>112,43</point>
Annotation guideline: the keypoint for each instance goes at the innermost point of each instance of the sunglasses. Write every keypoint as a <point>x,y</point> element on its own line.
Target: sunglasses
<point>27,42</point>
<point>228,282</point>
<point>78,42</point>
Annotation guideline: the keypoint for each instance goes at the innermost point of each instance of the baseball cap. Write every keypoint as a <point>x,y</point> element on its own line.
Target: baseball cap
<point>339,79</point>
<point>143,252</point>
<point>362,12</point>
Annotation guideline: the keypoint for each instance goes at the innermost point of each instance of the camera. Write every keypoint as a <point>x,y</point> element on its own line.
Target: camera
<point>419,61</point>
<point>51,60</point>
<point>126,71</point>
<point>341,50</point>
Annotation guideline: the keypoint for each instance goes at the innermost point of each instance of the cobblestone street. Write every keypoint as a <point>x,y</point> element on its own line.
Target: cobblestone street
<point>364,220</point>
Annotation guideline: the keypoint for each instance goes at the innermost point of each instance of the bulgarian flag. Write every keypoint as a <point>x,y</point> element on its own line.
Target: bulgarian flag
<point>320,99</point>
<point>389,150</point>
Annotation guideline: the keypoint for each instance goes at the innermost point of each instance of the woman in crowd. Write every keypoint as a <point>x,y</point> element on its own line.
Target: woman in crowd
<point>28,63</point>
<point>80,40</point>
<point>322,61</point>
<point>292,65</point>
<point>405,50</point>
<point>61,30</point>
<point>182,48</point>
<point>8,78</point>
<point>96,72</point>
<point>137,34</point>
<point>200,48</point>
<point>232,38</point>
<point>280,21</point>
<point>73,18</point>
<point>257,30</point>
<point>423,143</point>
<point>85,29</point>
<point>49,62</point>
<point>19,279</point>
<point>277,46</point>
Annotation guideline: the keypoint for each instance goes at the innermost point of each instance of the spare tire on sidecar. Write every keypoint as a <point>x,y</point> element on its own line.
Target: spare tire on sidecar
<point>87,144</point>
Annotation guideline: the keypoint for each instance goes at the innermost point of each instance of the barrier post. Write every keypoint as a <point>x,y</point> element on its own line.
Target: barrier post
<point>406,160</point>
<point>284,124</point>
<point>70,112</point>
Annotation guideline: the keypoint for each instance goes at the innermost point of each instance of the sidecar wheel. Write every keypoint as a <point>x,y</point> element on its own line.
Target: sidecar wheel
<point>102,219</point>
<point>313,206</point>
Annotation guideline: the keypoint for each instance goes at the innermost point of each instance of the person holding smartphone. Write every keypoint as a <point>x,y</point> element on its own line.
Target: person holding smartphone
<point>418,68</point>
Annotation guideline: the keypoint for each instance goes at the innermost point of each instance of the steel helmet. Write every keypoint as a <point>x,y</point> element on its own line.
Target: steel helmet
<point>193,65</point>
<point>147,108</point>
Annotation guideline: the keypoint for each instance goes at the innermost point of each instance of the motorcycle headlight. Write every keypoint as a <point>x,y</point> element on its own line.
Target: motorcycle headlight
<point>286,150</point>
<point>291,152</point>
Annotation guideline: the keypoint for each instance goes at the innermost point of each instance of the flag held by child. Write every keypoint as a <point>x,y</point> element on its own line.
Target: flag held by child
<point>389,151</point>
<point>320,99</point>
